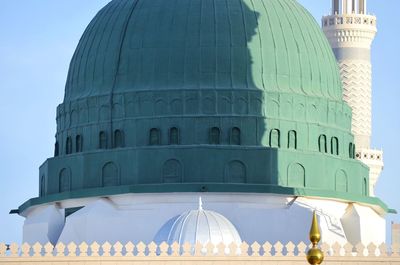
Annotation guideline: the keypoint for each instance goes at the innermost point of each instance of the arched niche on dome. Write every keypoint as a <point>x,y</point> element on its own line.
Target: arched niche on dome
<point>56,149</point>
<point>74,118</point>
<point>110,175</point>
<point>176,106</point>
<point>117,111</point>
<point>146,106</point>
<point>174,137</point>
<point>68,145</point>
<point>365,187</point>
<point>119,139</point>
<point>235,136</point>
<point>296,175</point>
<point>255,106</point>
<point>312,112</point>
<point>42,190</point>
<point>103,140</point>
<point>64,183</point>
<point>104,113</point>
<point>240,105</point>
<point>275,138</point>
<point>172,171</point>
<point>192,104</point>
<point>83,114</point>
<point>215,135</point>
<point>273,108</point>
<point>78,143</point>
<point>161,107</point>
<point>155,136</point>
<point>286,108</point>
<point>341,181</point>
<point>300,111</point>
<point>334,146</point>
<point>208,105</point>
<point>322,144</point>
<point>130,109</point>
<point>235,172</point>
<point>224,105</point>
<point>292,139</point>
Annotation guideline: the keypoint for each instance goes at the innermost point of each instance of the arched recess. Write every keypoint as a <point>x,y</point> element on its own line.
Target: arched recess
<point>323,148</point>
<point>68,146</point>
<point>341,181</point>
<point>296,175</point>
<point>155,136</point>
<point>102,140</point>
<point>172,171</point>
<point>119,139</point>
<point>235,172</point>
<point>352,150</point>
<point>292,139</point>
<point>110,175</point>
<point>275,138</point>
<point>56,149</point>
<point>174,136</point>
<point>64,183</point>
<point>78,143</point>
<point>365,187</point>
<point>335,146</point>
<point>235,136</point>
<point>42,191</point>
<point>215,135</point>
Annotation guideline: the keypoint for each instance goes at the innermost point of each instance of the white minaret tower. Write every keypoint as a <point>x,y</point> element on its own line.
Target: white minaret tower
<point>350,31</point>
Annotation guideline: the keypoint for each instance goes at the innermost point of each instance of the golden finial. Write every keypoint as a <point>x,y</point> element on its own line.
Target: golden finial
<point>315,255</point>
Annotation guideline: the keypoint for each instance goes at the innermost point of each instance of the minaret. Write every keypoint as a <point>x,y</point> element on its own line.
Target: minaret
<point>350,31</point>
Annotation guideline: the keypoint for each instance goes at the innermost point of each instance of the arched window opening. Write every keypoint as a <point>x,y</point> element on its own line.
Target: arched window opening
<point>68,146</point>
<point>334,146</point>
<point>42,191</point>
<point>275,138</point>
<point>78,143</point>
<point>56,149</point>
<point>102,140</point>
<point>174,136</point>
<point>365,187</point>
<point>155,137</point>
<point>351,150</point>
<point>323,148</point>
<point>235,136</point>
<point>119,140</point>
<point>215,134</point>
<point>354,151</point>
<point>64,181</point>
<point>292,139</point>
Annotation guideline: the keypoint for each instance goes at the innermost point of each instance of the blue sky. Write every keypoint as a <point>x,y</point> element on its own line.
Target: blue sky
<point>37,40</point>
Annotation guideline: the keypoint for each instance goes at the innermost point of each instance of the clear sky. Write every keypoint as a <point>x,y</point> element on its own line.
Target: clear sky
<point>37,40</point>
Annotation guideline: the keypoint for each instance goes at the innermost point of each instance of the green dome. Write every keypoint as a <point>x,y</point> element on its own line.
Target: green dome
<point>271,45</point>
<point>203,96</point>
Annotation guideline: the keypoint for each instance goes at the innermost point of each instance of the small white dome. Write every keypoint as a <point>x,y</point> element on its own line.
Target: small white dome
<point>201,226</point>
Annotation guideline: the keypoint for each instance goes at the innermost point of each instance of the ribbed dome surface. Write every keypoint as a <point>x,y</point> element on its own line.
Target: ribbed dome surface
<point>272,45</point>
<point>201,226</point>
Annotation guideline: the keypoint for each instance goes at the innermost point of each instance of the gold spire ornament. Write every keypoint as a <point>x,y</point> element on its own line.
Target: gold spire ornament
<point>315,255</point>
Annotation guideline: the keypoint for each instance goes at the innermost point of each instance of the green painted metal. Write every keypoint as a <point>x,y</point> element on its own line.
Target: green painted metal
<point>238,95</point>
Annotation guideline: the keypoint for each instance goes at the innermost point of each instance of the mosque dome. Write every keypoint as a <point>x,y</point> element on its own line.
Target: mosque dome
<point>199,226</point>
<point>269,45</point>
<point>203,96</point>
